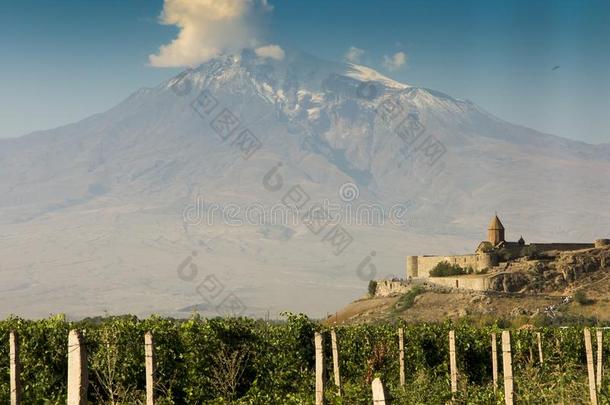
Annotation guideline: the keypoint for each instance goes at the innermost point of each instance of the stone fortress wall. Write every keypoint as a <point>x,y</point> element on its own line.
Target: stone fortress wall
<point>390,288</point>
<point>545,247</point>
<point>420,266</point>
<point>602,243</point>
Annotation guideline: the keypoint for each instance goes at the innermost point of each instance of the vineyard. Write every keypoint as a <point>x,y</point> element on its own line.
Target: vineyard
<point>244,361</point>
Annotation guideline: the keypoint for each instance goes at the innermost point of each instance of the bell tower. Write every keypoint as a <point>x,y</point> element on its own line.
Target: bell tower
<point>495,231</point>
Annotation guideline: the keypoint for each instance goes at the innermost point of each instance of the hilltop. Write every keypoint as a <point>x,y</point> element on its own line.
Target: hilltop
<point>561,287</point>
<point>93,214</point>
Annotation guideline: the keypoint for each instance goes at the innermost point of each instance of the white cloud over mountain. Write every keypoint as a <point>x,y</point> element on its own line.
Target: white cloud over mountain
<point>354,54</point>
<point>270,51</point>
<point>208,28</point>
<point>395,62</point>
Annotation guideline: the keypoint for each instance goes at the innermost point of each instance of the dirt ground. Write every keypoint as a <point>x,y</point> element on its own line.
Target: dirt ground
<point>439,304</point>
<point>433,306</point>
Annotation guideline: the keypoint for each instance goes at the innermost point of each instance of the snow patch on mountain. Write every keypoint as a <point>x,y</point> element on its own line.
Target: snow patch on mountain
<point>102,199</point>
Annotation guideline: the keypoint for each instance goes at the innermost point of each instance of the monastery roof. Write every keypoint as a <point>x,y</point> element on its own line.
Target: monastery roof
<point>495,224</point>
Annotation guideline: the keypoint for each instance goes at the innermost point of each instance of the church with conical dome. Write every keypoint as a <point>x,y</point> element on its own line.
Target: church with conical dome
<point>489,254</point>
<point>495,232</point>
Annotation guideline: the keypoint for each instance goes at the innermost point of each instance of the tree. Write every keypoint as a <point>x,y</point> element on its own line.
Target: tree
<point>229,367</point>
<point>581,297</point>
<point>372,288</point>
<point>445,269</point>
<point>530,252</point>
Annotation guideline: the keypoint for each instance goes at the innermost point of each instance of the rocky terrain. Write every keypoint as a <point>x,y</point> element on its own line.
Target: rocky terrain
<point>97,216</point>
<point>560,288</point>
<point>553,272</point>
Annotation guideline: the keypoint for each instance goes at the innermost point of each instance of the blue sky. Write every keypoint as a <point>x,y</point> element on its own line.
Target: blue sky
<point>64,60</point>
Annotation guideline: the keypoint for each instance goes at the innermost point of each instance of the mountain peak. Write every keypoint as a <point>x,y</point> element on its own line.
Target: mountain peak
<point>297,71</point>
<point>366,74</point>
<point>116,187</point>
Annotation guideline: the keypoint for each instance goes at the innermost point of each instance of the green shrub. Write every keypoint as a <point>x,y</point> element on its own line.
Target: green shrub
<point>581,297</point>
<point>445,269</point>
<point>408,299</point>
<point>530,252</point>
<point>506,255</point>
<point>197,360</point>
<point>487,248</point>
<point>372,288</point>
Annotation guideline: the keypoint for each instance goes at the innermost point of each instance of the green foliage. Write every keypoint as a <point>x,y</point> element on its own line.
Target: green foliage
<point>487,248</point>
<point>580,296</point>
<point>44,349</point>
<point>445,269</point>
<point>530,252</point>
<point>243,361</point>
<point>372,288</point>
<point>407,300</point>
<point>506,255</point>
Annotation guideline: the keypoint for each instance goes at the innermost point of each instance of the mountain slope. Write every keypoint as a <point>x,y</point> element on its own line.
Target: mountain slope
<point>104,197</point>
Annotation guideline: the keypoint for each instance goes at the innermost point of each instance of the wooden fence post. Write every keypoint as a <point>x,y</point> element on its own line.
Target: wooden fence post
<point>453,362</point>
<point>507,367</point>
<point>335,348</point>
<point>77,369</point>
<point>379,394</point>
<point>15,368</point>
<point>600,354</point>
<point>494,361</point>
<point>319,369</point>
<point>401,356</point>
<point>149,361</point>
<point>539,339</point>
<point>590,367</point>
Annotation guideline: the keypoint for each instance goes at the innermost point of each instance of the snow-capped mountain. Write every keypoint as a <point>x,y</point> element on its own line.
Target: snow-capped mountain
<point>105,197</point>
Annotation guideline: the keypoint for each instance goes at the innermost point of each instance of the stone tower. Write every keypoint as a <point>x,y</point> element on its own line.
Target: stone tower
<point>495,232</point>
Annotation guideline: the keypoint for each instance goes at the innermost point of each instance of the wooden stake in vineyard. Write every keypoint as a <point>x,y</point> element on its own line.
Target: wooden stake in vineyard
<point>15,368</point>
<point>539,339</point>
<point>335,348</point>
<point>401,356</point>
<point>78,380</point>
<point>494,361</point>
<point>319,369</point>
<point>507,367</point>
<point>149,361</point>
<point>600,351</point>
<point>590,367</point>
<point>453,362</point>
<point>379,395</point>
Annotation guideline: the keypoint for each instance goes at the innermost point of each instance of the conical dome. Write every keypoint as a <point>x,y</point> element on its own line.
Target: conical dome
<point>495,224</point>
<point>495,232</point>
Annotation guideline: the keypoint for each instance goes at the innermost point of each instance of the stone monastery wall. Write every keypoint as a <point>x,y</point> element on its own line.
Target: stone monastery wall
<point>420,266</point>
